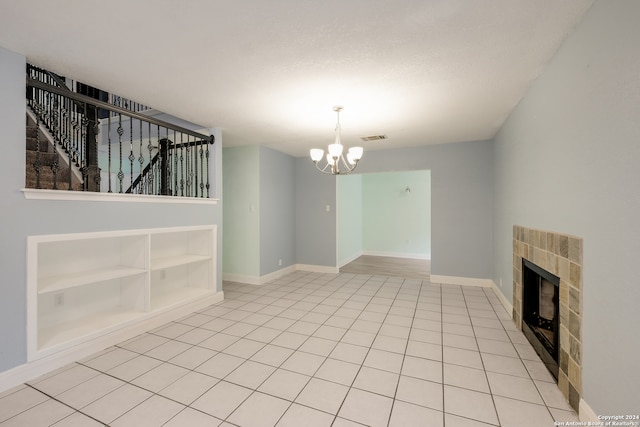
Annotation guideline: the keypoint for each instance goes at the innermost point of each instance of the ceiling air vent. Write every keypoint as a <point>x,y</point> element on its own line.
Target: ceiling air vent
<point>373,138</point>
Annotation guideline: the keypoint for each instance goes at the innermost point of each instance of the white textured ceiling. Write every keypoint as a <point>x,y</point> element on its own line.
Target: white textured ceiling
<point>270,72</point>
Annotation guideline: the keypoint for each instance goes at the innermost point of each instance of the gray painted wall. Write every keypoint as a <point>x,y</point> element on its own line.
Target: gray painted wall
<point>315,227</point>
<point>13,248</point>
<point>22,217</point>
<point>277,210</point>
<point>397,222</point>
<point>349,217</point>
<point>461,201</point>
<point>567,160</point>
<point>241,171</point>
<point>461,205</point>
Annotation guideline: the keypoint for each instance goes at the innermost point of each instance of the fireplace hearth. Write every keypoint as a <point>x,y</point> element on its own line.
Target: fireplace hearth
<point>561,255</point>
<point>540,312</point>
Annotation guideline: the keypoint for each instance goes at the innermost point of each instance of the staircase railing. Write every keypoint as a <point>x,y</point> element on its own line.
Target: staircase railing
<point>124,152</point>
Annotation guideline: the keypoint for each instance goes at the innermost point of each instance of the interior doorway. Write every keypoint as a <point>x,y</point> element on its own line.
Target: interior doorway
<point>389,266</point>
<point>385,215</point>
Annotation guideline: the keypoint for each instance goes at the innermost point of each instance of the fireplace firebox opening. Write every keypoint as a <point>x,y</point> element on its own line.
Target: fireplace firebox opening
<point>540,313</point>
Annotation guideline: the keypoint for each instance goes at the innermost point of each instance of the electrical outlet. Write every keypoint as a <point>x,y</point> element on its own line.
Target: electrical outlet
<point>280,261</point>
<point>58,300</point>
<point>500,282</point>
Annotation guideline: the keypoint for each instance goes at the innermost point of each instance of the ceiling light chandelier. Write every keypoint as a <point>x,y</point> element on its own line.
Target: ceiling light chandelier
<point>335,154</point>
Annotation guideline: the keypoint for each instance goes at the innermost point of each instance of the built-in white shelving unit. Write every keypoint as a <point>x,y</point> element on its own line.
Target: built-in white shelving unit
<point>86,285</point>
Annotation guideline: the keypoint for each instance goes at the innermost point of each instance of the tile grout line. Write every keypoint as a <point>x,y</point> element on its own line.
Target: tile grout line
<point>544,403</point>
<point>484,368</point>
<point>307,286</point>
<point>369,347</point>
<point>393,402</point>
<point>444,413</point>
<point>61,402</point>
<point>297,349</point>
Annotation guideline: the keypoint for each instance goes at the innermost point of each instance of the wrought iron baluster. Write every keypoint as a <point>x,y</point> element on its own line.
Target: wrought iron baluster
<point>176,170</point>
<point>141,161</point>
<point>201,169</point>
<point>120,133</point>
<point>63,122</point>
<point>131,156</point>
<point>156,167</point>
<point>194,168</point>
<point>188,155</point>
<point>169,170</point>
<point>150,173</point>
<point>54,117</point>
<point>37,164</point>
<point>109,152</point>
<point>78,142</point>
<point>74,136</point>
<point>182,173</point>
<point>83,147</point>
<point>156,177</point>
<point>45,109</point>
<point>207,160</point>
<point>54,169</point>
<point>165,180</point>
<point>96,169</point>
<point>67,140</point>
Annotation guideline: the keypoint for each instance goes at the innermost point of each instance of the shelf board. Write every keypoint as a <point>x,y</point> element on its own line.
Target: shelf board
<point>174,261</point>
<point>95,323</point>
<point>177,296</point>
<point>67,281</point>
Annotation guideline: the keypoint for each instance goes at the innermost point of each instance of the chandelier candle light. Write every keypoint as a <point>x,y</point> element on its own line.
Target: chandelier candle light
<point>335,154</point>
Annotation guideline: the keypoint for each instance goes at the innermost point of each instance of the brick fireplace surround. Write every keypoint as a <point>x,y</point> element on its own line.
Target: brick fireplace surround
<point>561,255</point>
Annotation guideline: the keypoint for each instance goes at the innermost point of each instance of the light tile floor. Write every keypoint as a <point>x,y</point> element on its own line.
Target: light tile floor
<point>310,349</point>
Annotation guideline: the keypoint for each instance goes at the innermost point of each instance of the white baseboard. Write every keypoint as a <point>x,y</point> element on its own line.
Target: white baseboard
<point>350,259</point>
<point>261,280</point>
<point>31,370</point>
<point>241,278</point>
<point>277,274</point>
<point>398,255</point>
<point>505,303</point>
<point>462,281</point>
<point>318,268</point>
<point>585,413</point>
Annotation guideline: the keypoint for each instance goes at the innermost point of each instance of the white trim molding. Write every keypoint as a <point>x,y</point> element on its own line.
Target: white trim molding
<point>241,278</point>
<point>585,412</point>
<point>90,196</point>
<point>350,259</point>
<point>258,280</point>
<point>261,280</point>
<point>277,274</point>
<point>409,255</point>
<point>31,370</point>
<point>505,302</point>
<point>327,269</point>
<point>462,281</point>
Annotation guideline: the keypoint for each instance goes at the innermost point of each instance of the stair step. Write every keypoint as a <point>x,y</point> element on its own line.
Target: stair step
<point>46,159</point>
<point>48,185</point>
<point>32,131</point>
<point>45,145</point>
<point>46,173</point>
<point>32,145</point>
<point>46,178</point>
<point>47,156</point>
